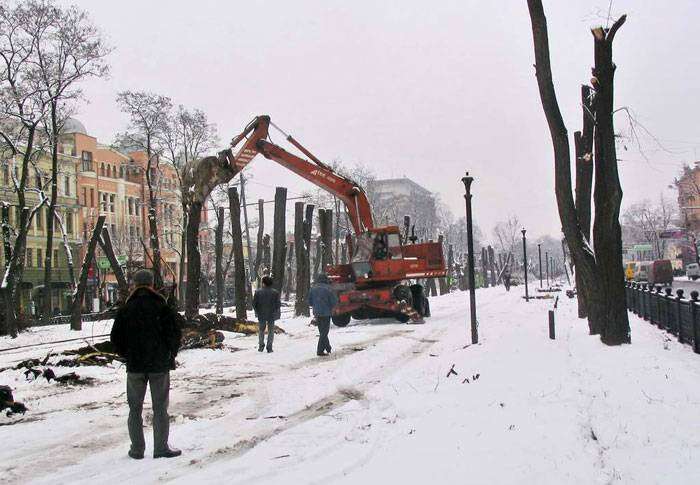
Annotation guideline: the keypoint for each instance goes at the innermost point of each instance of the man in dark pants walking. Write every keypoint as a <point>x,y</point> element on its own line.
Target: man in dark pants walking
<point>323,299</point>
<point>147,334</point>
<point>267,304</point>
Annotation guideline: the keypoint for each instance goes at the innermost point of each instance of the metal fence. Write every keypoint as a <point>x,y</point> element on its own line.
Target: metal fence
<point>86,317</point>
<point>676,314</point>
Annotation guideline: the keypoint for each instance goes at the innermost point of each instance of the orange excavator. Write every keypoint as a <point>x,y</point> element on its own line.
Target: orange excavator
<point>376,282</point>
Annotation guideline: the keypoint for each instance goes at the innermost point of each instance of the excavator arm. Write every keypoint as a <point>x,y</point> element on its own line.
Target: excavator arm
<point>315,171</point>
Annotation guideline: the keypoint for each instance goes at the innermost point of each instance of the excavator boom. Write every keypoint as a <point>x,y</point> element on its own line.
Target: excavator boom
<point>315,171</point>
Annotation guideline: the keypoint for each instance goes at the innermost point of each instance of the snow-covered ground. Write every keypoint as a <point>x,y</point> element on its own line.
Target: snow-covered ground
<point>381,409</point>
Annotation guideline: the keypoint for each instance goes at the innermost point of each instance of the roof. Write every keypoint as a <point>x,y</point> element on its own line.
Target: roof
<point>400,181</point>
<point>74,126</point>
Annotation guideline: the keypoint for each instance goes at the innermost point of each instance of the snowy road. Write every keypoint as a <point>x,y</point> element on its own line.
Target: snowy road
<point>522,409</point>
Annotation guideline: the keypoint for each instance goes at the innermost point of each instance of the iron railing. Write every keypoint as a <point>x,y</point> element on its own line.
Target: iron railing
<point>675,314</point>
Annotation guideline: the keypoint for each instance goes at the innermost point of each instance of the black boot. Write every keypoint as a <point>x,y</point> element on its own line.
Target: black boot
<point>168,453</point>
<point>135,455</point>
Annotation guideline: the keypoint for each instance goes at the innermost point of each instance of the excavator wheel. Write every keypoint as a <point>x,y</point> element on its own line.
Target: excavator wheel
<point>402,317</point>
<point>403,295</point>
<point>341,320</point>
<point>420,301</point>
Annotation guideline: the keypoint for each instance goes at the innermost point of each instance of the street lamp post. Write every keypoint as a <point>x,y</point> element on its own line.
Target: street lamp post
<point>539,255</point>
<point>527,296</point>
<point>546,261</point>
<point>467,181</point>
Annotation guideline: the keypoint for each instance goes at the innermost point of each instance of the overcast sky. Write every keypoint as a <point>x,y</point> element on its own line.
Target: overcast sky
<point>420,89</point>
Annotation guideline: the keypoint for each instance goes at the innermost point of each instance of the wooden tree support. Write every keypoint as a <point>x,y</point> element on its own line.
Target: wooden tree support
<point>105,242</point>
<point>76,311</point>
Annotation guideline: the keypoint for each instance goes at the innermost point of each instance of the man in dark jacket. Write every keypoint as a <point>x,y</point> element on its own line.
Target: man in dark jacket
<point>147,334</point>
<point>323,299</point>
<point>267,304</point>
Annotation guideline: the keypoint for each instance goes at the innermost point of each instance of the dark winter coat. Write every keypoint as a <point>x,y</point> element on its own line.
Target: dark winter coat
<point>146,332</point>
<point>322,297</point>
<point>267,304</point>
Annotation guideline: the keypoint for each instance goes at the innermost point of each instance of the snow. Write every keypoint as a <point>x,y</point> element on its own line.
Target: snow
<point>381,409</point>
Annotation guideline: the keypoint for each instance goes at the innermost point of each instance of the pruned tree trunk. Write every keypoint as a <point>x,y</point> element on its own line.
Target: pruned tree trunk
<point>105,242</point>
<point>77,307</point>
<point>6,233</point>
<point>199,179</point>
<point>194,261</point>
<point>583,147</point>
<point>611,317</point>
<point>492,264</point>
<point>249,249</point>
<point>219,261</point>
<point>183,254</point>
<point>259,243</point>
<point>318,250</point>
<point>301,306</point>
<point>601,273</point>
<point>279,247</point>
<point>239,272</point>
<point>267,259</point>
<point>442,282</point>
<point>484,267</point>
<point>326,229</point>
<point>153,236</point>
<point>289,274</point>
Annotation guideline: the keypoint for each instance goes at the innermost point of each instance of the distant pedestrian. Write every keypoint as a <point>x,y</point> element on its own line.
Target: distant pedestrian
<point>506,278</point>
<point>323,299</point>
<point>267,305</point>
<point>147,334</point>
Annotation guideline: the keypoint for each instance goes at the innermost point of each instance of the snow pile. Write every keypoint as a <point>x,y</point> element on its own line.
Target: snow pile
<point>385,408</point>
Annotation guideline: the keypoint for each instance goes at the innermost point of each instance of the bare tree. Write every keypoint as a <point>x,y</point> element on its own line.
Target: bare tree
<point>601,271</point>
<point>644,222</point>
<point>507,235</point>
<point>70,50</point>
<point>187,136</point>
<point>148,113</point>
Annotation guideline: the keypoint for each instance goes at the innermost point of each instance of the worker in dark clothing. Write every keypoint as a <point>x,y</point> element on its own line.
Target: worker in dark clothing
<point>323,299</point>
<point>506,278</point>
<point>147,334</point>
<point>267,304</point>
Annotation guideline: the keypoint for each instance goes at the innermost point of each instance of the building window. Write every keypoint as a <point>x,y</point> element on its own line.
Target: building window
<point>85,196</point>
<point>87,161</point>
<point>113,230</point>
<point>39,221</point>
<point>102,170</point>
<point>111,203</point>
<point>137,207</point>
<point>67,185</point>
<point>69,223</point>
<point>103,199</point>
<point>39,260</point>
<point>55,259</point>
<point>92,197</point>
<point>37,179</point>
<point>29,261</point>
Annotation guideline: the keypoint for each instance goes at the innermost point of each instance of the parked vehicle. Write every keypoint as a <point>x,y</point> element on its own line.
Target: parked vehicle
<point>641,270</point>
<point>660,272</point>
<point>693,271</point>
<point>629,270</point>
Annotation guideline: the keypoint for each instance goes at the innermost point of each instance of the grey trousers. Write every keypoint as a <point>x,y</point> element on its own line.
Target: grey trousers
<point>160,391</point>
<point>270,324</point>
